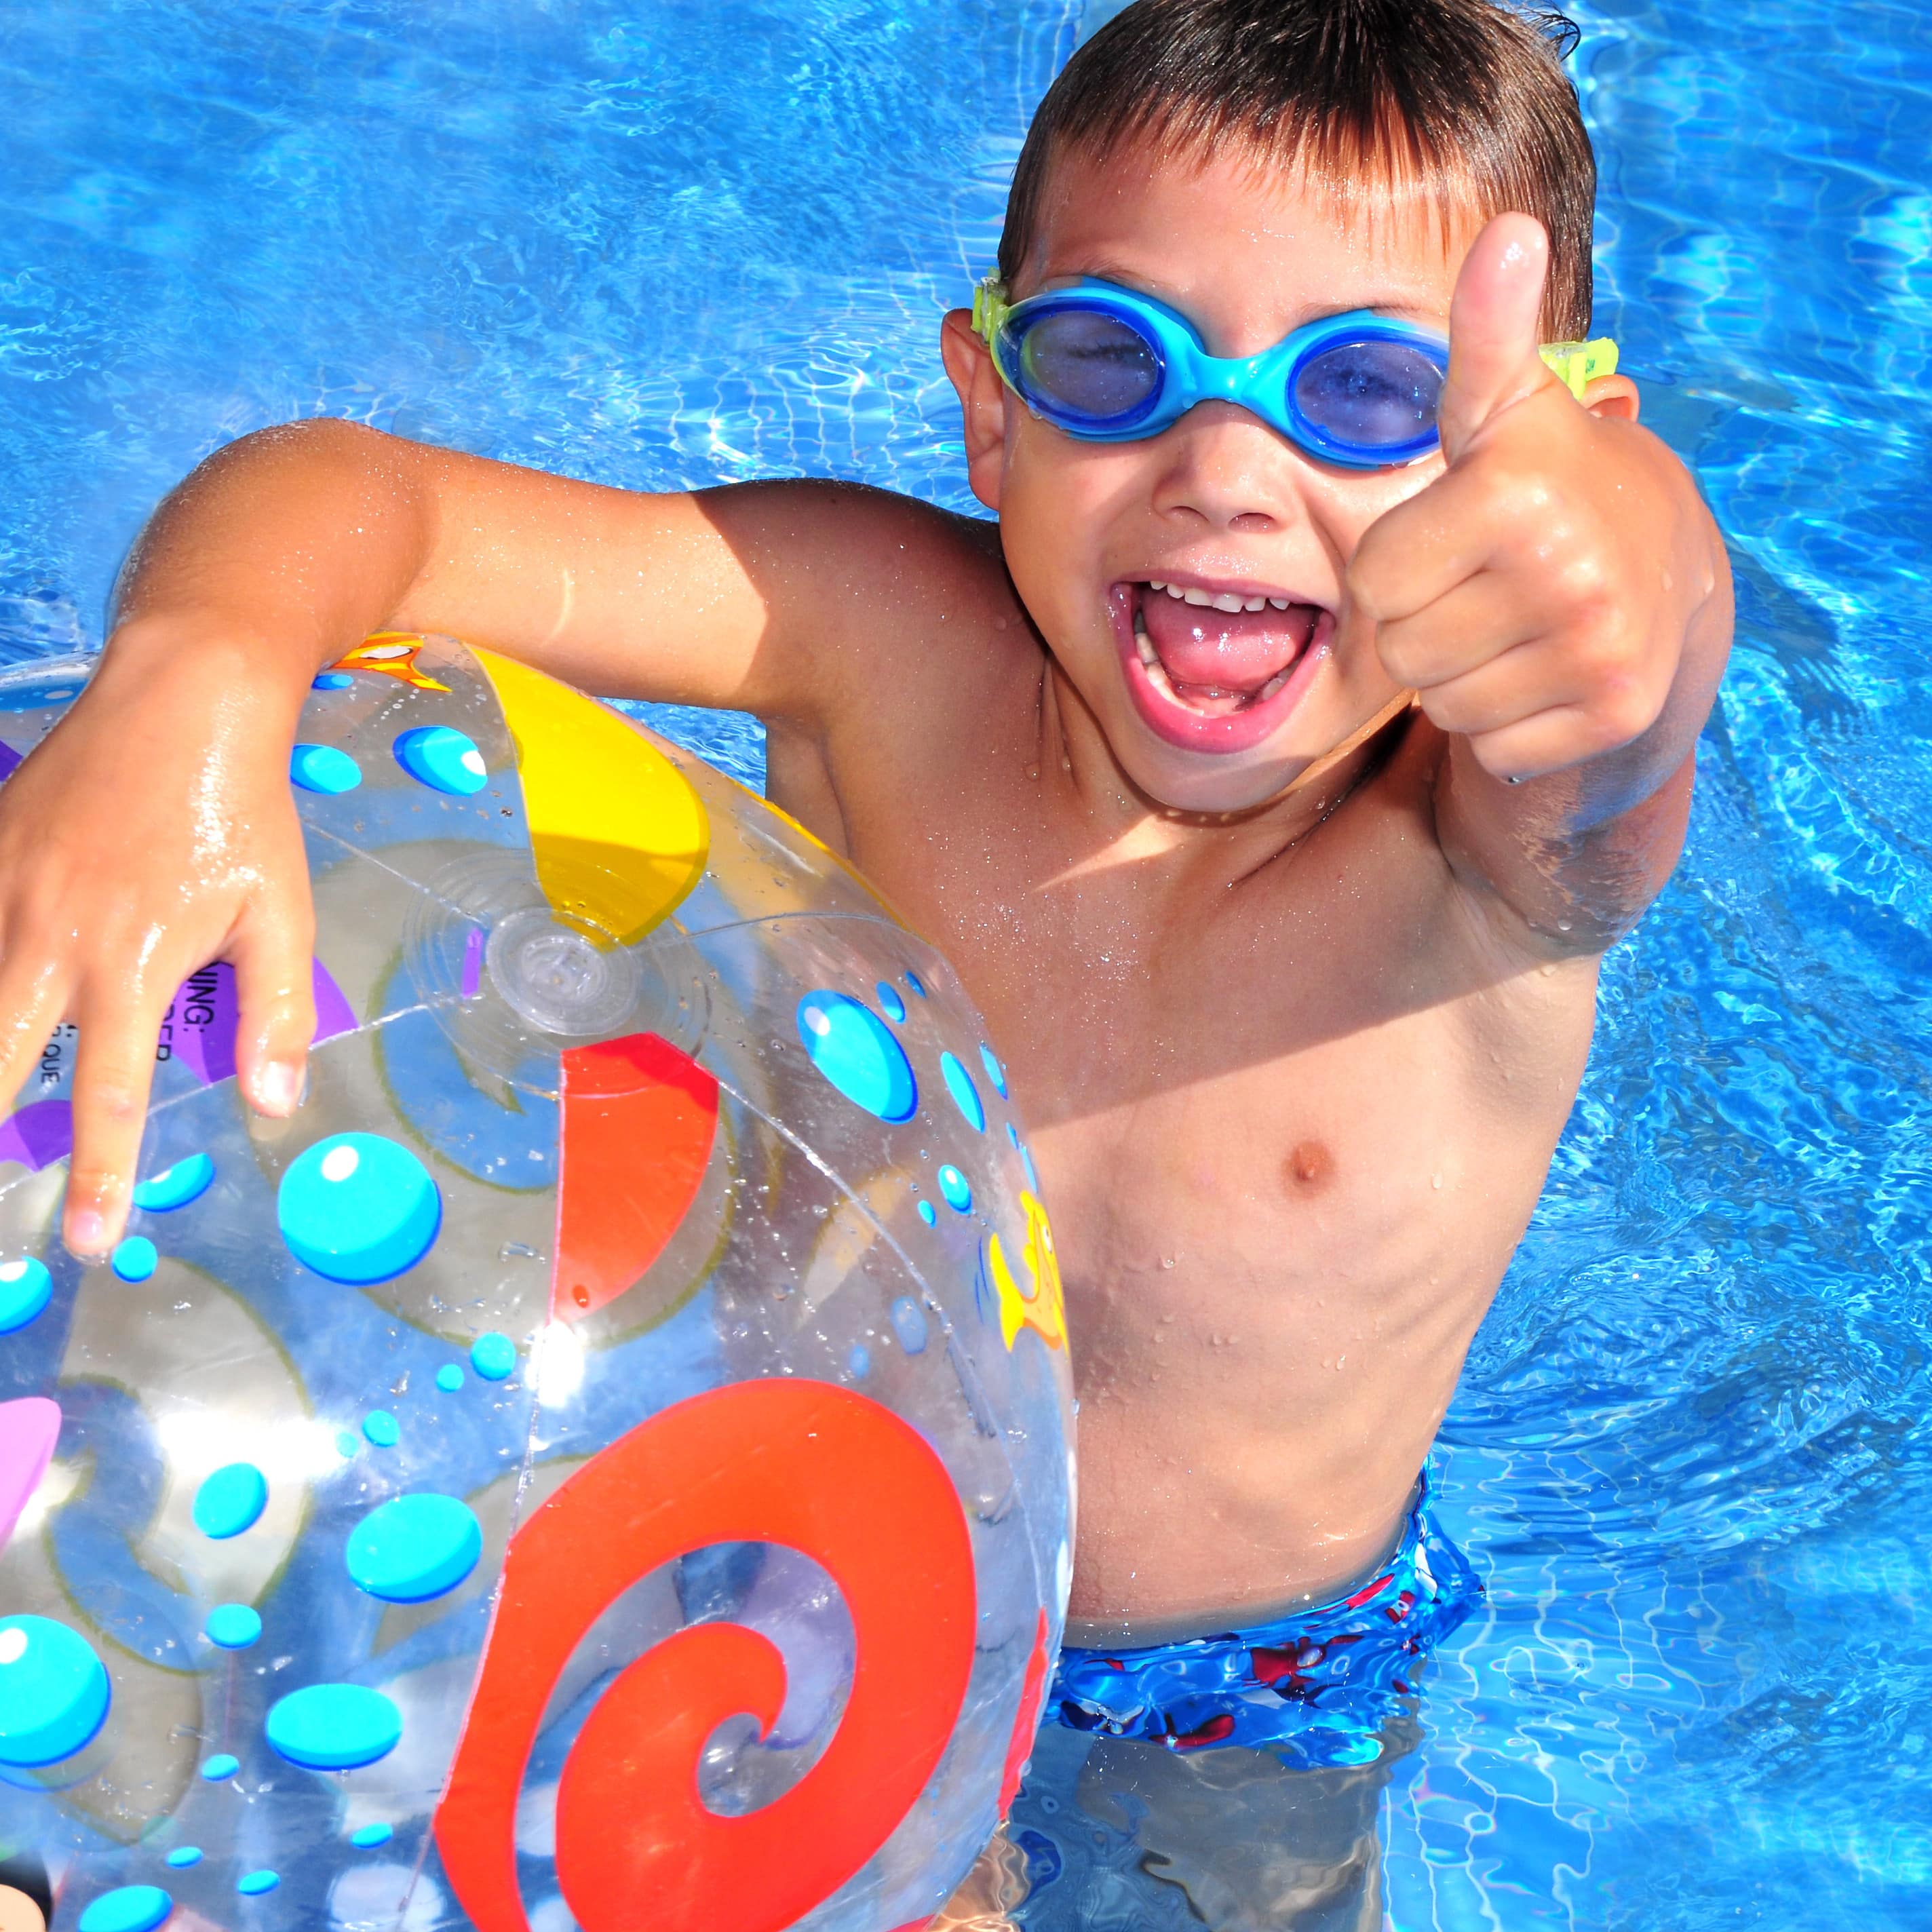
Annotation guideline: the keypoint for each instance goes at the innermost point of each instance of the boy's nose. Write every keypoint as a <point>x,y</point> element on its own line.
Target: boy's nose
<point>1224,466</point>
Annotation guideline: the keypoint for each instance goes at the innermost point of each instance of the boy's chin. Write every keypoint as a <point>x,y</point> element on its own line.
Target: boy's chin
<point>1205,784</point>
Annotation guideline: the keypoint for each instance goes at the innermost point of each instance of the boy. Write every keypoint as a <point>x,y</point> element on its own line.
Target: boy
<point>1276,773</point>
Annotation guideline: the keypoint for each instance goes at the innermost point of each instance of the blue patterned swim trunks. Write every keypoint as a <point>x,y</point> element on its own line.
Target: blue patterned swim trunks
<point>1315,1688</point>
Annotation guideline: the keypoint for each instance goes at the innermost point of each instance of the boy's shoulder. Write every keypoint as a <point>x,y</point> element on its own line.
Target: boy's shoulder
<point>897,558</point>
<point>895,602</point>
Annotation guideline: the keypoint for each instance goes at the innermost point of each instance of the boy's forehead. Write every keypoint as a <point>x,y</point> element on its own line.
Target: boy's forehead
<point>1236,230</point>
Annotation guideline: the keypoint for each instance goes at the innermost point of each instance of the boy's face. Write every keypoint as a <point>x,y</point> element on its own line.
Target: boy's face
<point>1238,703</point>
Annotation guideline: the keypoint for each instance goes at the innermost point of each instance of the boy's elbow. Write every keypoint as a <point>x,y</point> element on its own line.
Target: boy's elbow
<point>307,439</point>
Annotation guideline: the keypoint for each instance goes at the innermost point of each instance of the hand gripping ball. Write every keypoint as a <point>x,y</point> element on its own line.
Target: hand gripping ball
<point>605,1461</point>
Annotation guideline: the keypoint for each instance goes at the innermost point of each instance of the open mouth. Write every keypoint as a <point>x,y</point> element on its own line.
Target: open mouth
<point>1217,667</point>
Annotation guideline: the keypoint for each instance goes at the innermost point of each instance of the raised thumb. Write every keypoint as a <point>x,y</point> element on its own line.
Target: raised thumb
<point>1494,332</point>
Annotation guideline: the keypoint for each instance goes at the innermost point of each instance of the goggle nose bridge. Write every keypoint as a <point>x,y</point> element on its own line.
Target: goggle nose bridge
<point>1228,379</point>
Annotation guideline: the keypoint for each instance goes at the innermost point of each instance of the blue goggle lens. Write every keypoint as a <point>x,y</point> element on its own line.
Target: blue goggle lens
<point>1369,395</point>
<point>1088,365</point>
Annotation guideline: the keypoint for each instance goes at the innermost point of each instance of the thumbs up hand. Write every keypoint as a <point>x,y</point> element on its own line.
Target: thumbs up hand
<point>1538,593</point>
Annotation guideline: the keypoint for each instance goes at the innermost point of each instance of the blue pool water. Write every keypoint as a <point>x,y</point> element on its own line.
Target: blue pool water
<point>678,241</point>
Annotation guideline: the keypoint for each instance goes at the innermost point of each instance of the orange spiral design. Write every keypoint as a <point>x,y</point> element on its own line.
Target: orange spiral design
<point>819,1468</point>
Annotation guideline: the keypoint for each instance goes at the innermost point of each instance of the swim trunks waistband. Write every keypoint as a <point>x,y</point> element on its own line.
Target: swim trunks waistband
<point>1316,1687</point>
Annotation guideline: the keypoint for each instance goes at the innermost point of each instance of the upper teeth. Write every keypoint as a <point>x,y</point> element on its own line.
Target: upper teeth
<point>1220,600</point>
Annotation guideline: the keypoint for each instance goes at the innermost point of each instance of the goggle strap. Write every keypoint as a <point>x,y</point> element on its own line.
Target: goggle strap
<point>1577,365</point>
<point>990,307</point>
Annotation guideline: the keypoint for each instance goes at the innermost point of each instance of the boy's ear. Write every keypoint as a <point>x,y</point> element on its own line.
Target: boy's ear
<point>983,403</point>
<point>1612,396</point>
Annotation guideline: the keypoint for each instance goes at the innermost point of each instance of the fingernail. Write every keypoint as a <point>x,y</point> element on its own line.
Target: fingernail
<point>279,1088</point>
<point>88,1231</point>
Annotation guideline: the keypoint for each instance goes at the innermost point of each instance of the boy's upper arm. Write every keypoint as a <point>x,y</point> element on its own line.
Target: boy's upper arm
<point>763,597</point>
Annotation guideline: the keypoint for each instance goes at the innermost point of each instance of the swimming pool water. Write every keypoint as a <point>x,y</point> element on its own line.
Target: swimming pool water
<point>672,242</point>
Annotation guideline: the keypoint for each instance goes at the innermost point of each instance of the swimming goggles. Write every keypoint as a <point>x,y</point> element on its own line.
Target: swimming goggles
<point>1108,365</point>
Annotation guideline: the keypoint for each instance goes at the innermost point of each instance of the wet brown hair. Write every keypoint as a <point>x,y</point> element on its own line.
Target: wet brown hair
<point>1461,105</point>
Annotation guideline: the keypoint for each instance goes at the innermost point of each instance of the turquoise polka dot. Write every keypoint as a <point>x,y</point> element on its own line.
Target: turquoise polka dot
<point>449,1378</point>
<point>928,1214</point>
<point>494,1357</point>
<point>1026,1161</point>
<point>334,1726</point>
<point>135,1259</point>
<point>130,1908</point>
<point>952,1185</point>
<point>965,1095</point>
<point>852,1047</point>
<point>176,1186</point>
<point>370,1836</point>
<point>918,985</point>
<point>183,1856</point>
<point>231,1500</point>
<point>382,1428</point>
<point>909,1324</point>
<point>888,999</point>
<point>221,1768</point>
<point>443,759</point>
<point>359,1208</point>
<point>415,1548</point>
<point>54,1692</point>
<point>859,1361</point>
<point>331,680</point>
<point>995,1072</point>
<point>25,1289</point>
<point>346,1446</point>
<point>233,1626</point>
<point>252,1885</point>
<point>322,768</point>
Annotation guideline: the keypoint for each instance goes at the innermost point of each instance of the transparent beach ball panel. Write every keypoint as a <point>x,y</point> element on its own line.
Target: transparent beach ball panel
<point>609,1452</point>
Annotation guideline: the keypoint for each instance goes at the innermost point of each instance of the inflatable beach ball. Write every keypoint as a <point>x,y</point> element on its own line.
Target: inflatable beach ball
<point>605,1462</point>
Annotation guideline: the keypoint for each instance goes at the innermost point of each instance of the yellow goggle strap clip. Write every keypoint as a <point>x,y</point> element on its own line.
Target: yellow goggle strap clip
<point>1577,365</point>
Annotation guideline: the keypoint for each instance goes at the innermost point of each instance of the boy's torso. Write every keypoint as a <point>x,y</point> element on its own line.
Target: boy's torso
<point>1292,1108</point>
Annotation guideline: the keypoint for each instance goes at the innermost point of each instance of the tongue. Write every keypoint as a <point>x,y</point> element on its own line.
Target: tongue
<point>1230,653</point>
